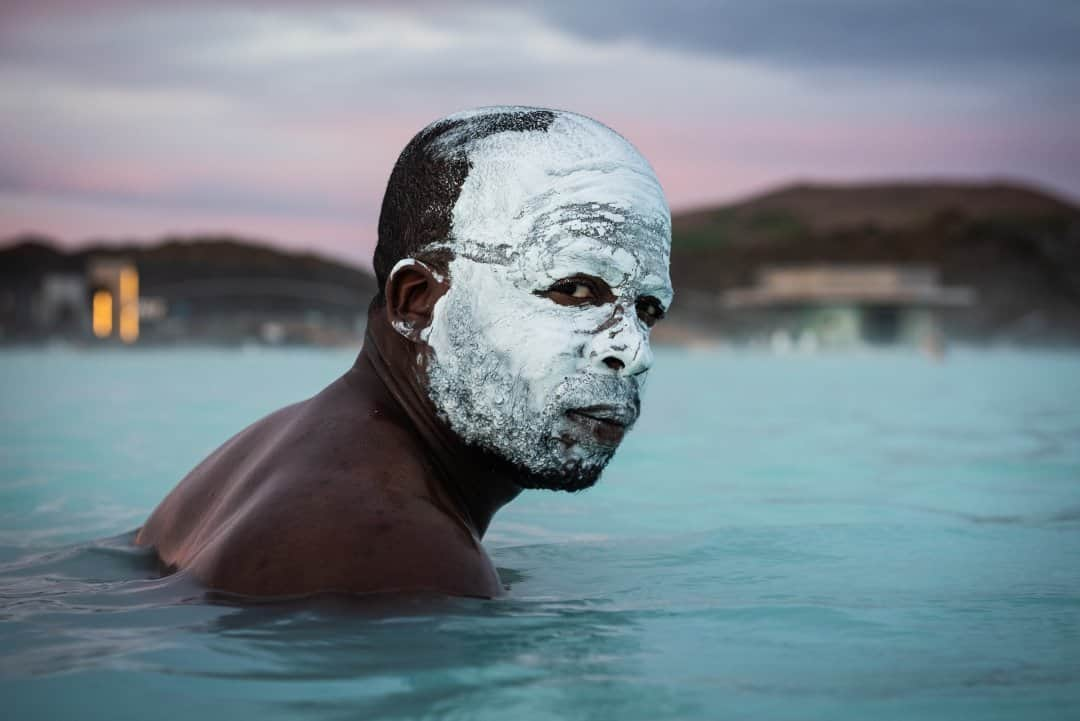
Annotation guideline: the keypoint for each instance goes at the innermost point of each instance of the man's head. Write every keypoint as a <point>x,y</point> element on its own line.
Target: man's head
<point>525,252</point>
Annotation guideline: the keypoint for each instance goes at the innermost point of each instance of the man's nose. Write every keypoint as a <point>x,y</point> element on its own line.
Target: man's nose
<point>623,348</point>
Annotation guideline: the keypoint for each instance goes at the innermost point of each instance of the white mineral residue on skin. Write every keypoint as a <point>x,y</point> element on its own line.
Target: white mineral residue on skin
<point>537,207</point>
<point>406,262</point>
<point>508,365</point>
<point>517,177</point>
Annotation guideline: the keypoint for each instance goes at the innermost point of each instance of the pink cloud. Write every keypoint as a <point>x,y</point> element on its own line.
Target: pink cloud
<point>702,164</point>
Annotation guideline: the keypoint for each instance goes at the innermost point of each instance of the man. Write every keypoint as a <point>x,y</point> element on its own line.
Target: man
<point>522,257</point>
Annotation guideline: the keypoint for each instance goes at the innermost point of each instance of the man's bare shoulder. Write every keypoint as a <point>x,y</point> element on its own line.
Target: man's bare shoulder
<point>321,438</point>
<point>214,487</point>
<point>323,495</point>
<point>329,534</point>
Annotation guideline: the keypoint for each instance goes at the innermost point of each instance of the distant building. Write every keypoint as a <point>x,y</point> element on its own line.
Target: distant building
<point>114,283</point>
<point>215,291</point>
<point>61,307</point>
<point>842,305</point>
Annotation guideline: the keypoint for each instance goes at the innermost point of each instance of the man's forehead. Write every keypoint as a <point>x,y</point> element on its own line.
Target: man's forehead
<point>578,177</point>
<point>607,222</point>
<point>597,231</point>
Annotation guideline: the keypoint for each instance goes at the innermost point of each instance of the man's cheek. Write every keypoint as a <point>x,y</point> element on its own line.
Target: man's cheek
<point>537,348</point>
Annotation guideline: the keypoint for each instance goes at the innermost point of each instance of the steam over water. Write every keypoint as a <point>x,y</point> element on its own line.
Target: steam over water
<point>849,537</point>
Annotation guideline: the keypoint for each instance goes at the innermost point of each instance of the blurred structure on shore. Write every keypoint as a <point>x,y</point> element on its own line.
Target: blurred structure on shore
<point>802,269</point>
<point>843,306</point>
<point>206,290</point>
<point>114,298</point>
<point>916,264</point>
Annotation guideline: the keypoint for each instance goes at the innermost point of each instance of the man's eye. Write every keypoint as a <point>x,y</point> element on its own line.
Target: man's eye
<point>576,290</point>
<point>650,311</point>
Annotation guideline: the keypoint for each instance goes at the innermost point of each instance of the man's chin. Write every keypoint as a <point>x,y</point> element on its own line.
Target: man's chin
<point>561,466</point>
<point>572,477</point>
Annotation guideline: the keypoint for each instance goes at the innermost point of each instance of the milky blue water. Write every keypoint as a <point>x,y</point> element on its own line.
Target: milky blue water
<point>851,537</point>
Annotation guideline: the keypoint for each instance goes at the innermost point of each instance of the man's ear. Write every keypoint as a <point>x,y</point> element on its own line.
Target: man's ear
<point>412,288</point>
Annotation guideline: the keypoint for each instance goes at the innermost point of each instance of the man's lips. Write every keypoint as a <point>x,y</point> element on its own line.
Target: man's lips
<point>605,423</point>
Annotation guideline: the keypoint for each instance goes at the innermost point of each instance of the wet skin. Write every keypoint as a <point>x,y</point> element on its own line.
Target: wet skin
<point>358,489</point>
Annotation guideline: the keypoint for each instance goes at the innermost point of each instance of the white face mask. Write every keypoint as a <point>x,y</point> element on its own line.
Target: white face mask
<point>540,347</point>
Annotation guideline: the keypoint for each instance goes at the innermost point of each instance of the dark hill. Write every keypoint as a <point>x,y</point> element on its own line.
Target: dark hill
<point>1018,247</point>
<point>215,287</point>
<point>183,259</point>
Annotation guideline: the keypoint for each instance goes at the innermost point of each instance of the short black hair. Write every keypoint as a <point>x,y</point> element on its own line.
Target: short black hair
<point>424,186</point>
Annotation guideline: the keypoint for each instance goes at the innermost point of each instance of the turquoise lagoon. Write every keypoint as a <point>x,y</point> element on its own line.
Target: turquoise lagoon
<point>864,536</point>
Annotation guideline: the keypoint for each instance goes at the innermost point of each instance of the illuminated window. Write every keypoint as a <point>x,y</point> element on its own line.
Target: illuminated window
<point>102,313</point>
<point>129,305</point>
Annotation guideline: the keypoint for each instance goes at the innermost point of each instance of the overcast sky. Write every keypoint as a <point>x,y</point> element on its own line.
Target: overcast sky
<point>281,120</point>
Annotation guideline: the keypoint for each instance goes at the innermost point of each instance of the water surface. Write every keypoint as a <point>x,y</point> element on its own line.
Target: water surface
<point>863,536</point>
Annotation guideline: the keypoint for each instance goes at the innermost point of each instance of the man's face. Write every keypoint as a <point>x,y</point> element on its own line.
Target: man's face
<point>541,345</point>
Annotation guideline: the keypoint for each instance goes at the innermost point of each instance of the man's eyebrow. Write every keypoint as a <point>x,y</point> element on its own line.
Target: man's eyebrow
<point>658,288</point>
<point>590,262</point>
<point>501,254</point>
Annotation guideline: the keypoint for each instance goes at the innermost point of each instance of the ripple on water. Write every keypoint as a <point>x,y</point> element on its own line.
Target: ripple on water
<point>837,538</point>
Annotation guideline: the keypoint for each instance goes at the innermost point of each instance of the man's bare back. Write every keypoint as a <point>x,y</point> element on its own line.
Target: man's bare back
<point>330,494</point>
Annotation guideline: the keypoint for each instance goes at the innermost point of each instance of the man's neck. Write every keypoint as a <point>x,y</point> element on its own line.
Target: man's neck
<point>474,483</point>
